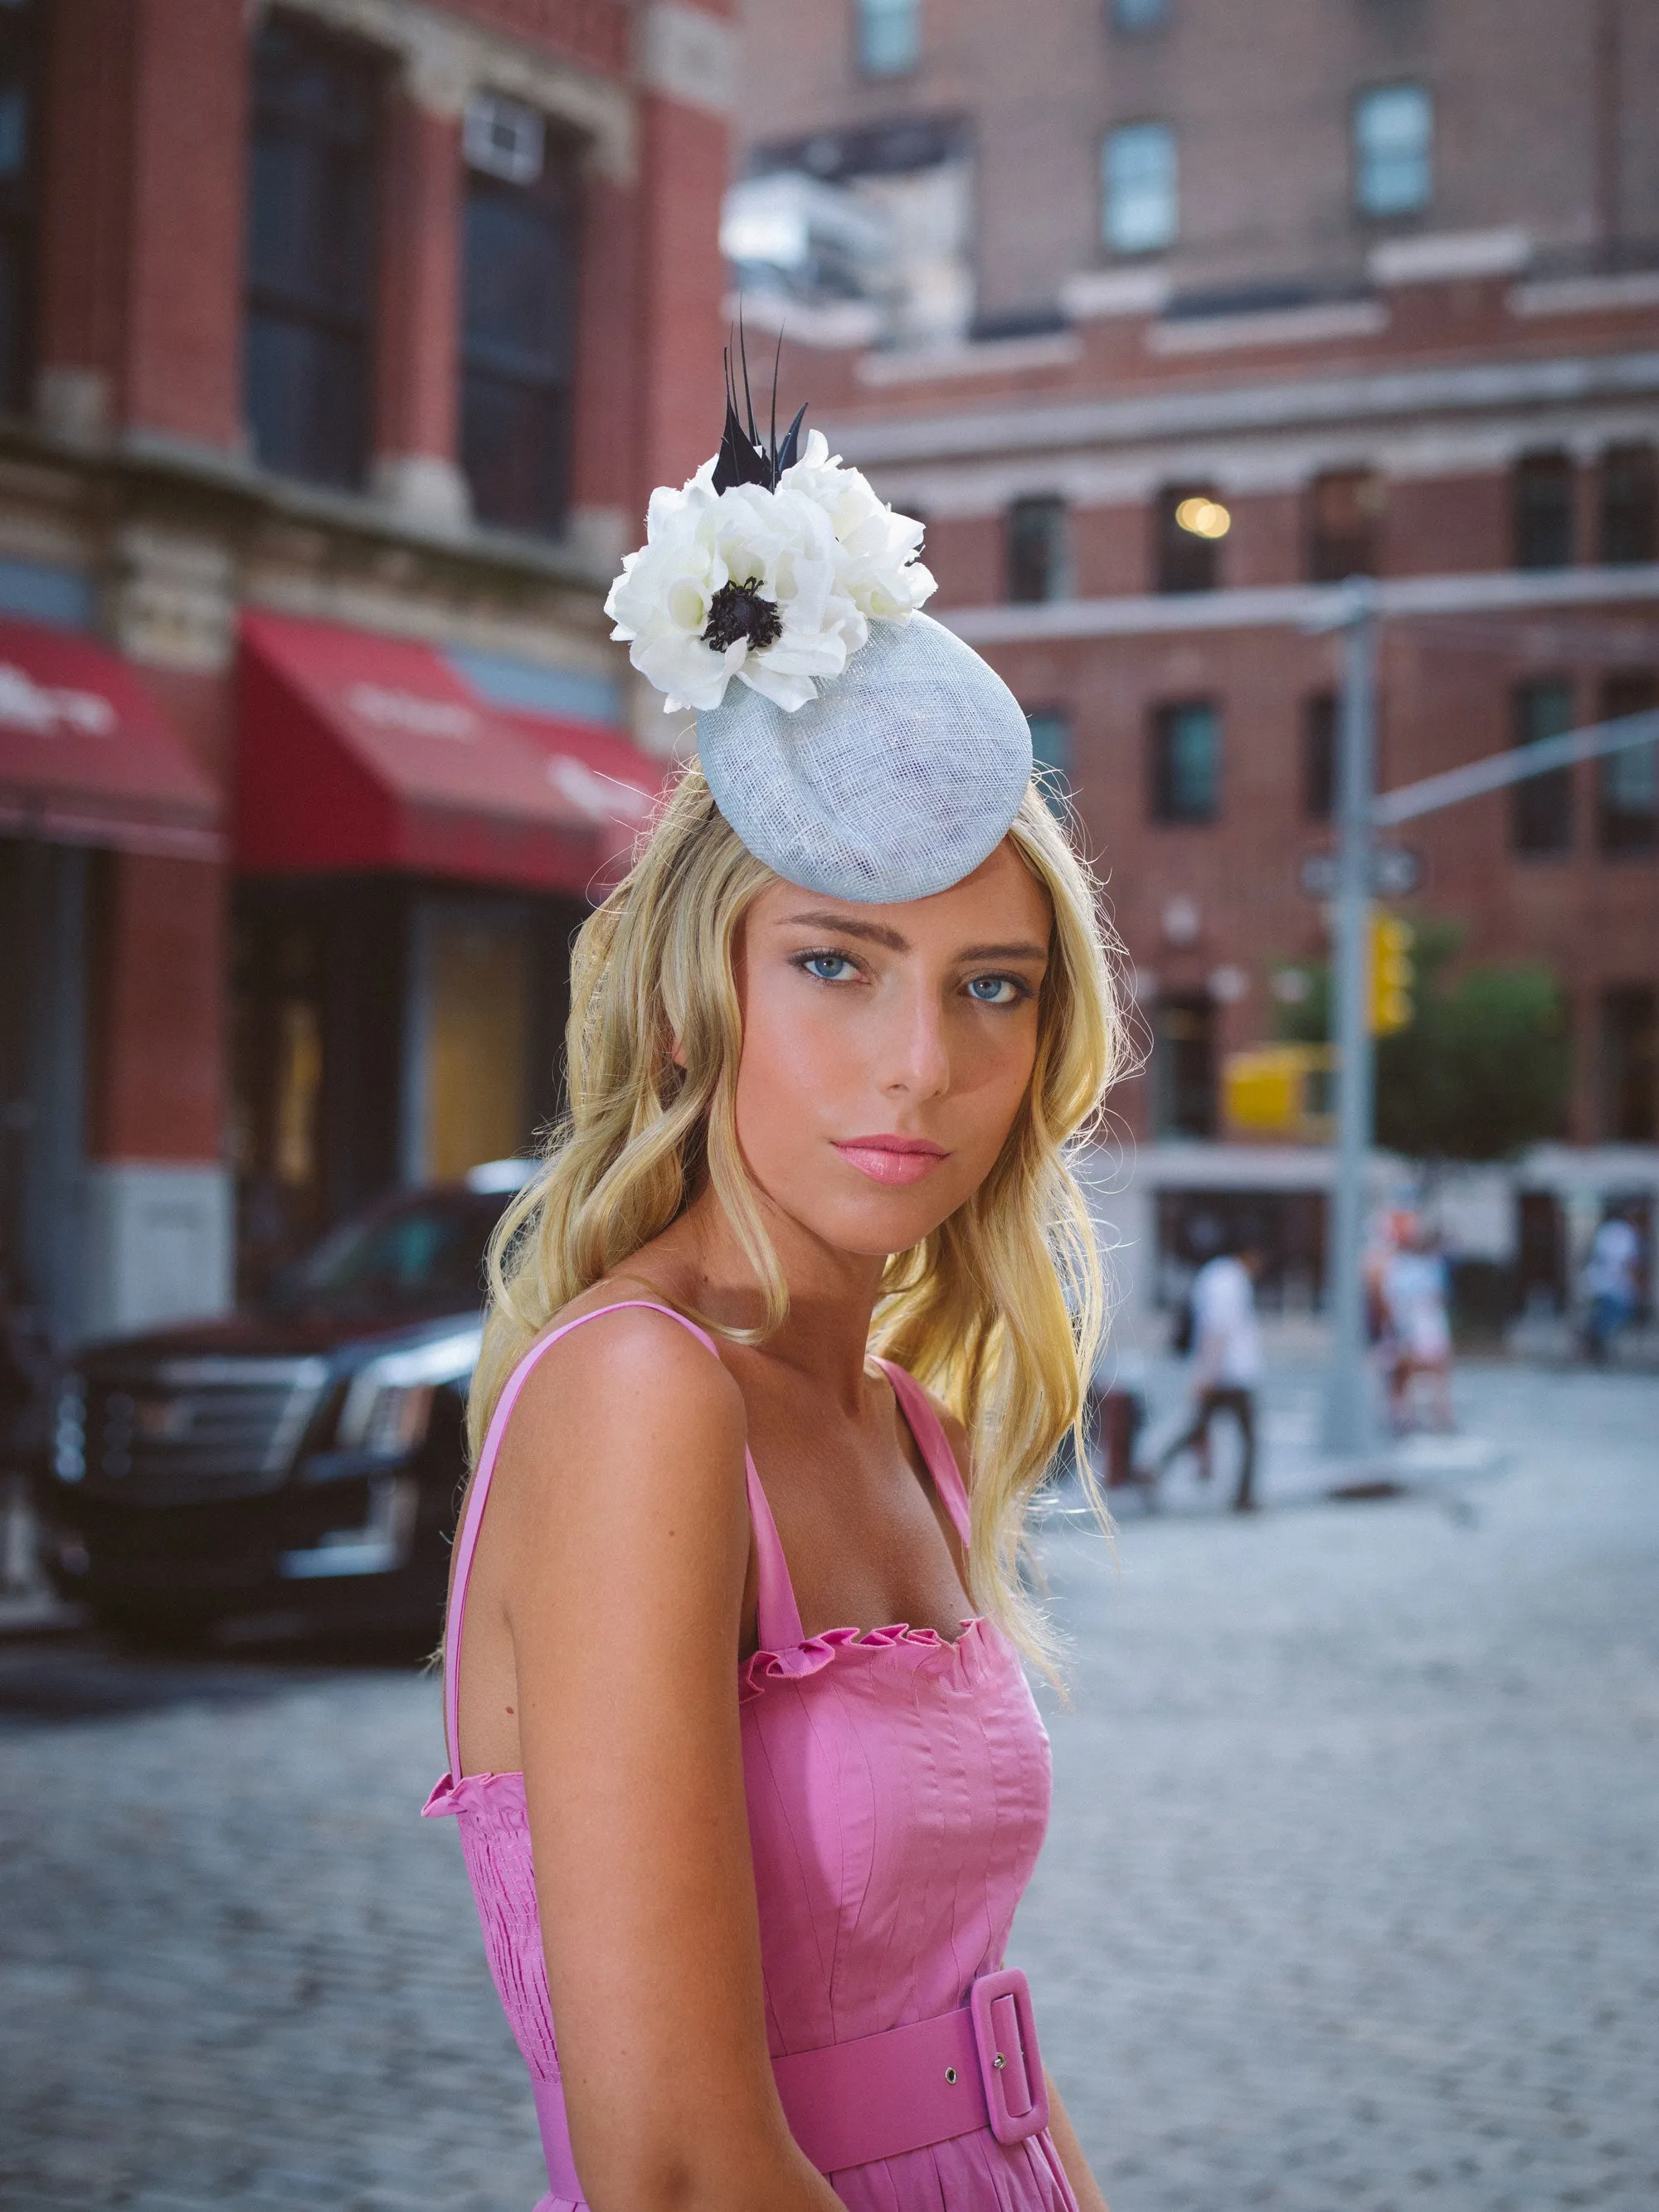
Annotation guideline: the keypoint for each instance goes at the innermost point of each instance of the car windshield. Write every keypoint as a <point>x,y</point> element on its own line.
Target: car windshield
<point>420,1256</point>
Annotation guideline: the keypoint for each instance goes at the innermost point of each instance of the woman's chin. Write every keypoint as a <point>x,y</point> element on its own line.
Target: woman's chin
<point>877,1226</point>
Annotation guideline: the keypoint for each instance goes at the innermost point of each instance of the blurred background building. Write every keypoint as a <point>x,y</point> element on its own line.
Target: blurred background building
<point>340,343</point>
<point>1162,313</point>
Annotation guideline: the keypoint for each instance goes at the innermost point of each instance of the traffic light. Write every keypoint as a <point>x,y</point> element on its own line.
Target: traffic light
<point>1391,973</point>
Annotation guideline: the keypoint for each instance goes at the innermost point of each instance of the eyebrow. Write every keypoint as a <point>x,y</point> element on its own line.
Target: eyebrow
<point>877,933</point>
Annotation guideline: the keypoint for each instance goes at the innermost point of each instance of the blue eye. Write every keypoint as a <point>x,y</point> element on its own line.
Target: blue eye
<point>827,967</point>
<point>996,990</point>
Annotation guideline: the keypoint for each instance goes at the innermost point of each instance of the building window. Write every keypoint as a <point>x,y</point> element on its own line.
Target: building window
<point>1542,490</point>
<point>519,317</point>
<point>1138,15</point>
<point>1628,813</point>
<point>311,252</point>
<point>1184,1067</point>
<point>1629,505</point>
<point>1189,523</point>
<point>1540,807</point>
<point>1319,715</point>
<point>1139,201</point>
<point>1039,551</point>
<point>1185,765</point>
<point>1629,1064</point>
<point>889,36</point>
<point>20,50</point>
<point>1393,149</point>
<point>1051,750</point>
<point>1345,516</point>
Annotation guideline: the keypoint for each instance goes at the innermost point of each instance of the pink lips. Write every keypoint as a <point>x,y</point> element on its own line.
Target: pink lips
<point>894,1160</point>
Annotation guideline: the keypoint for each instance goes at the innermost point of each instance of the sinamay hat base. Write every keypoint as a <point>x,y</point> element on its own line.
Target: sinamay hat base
<point>896,782</point>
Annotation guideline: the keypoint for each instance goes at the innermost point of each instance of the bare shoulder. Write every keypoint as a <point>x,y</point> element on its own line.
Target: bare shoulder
<point>631,1388</point>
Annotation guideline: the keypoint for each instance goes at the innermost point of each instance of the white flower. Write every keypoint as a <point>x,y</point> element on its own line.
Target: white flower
<point>879,567</point>
<point>793,577</point>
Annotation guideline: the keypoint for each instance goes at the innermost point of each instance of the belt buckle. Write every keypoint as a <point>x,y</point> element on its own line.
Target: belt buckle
<point>1010,2063</point>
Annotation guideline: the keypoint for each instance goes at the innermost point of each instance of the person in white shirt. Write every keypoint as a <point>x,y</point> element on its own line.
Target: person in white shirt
<point>1418,1331</point>
<point>1226,1364</point>
<point>1610,1283</point>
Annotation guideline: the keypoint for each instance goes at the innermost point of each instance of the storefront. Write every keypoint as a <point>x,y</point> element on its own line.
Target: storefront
<point>106,823</point>
<point>418,834</point>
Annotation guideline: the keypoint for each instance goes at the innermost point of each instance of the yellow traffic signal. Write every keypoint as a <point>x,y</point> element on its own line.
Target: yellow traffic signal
<point>1391,973</point>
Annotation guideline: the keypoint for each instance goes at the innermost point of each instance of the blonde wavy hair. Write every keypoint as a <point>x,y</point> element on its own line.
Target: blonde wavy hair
<point>998,1312</point>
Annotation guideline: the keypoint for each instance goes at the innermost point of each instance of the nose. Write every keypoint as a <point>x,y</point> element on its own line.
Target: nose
<point>915,1056</point>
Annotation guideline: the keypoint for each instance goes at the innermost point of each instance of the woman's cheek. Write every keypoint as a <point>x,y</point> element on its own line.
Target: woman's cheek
<point>788,1058</point>
<point>992,1072</point>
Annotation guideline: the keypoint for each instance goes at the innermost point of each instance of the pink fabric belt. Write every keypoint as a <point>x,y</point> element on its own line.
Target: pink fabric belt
<point>850,2103</point>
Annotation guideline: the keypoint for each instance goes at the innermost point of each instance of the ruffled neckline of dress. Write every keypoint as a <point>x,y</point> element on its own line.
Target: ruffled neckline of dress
<point>931,1652</point>
<point>839,1646</point>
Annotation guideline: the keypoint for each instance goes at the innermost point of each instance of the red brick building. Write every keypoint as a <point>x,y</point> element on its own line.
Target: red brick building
<point>340,343</point>
<point>1379,281</point>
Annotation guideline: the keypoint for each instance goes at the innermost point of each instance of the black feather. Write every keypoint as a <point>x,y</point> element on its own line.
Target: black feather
<point>748,401</point>
<point>777,360</point>
<point>745,457</point>
<point>786,455</point>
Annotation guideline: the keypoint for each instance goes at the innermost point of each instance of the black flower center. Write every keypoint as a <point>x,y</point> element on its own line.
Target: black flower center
<point>738,611</point>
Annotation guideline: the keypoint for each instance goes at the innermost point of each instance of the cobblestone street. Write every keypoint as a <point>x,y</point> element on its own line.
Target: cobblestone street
<point>1350,1899</point>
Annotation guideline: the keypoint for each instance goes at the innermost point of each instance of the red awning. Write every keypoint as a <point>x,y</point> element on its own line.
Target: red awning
<point>360,751</point>
<point>86,757</point>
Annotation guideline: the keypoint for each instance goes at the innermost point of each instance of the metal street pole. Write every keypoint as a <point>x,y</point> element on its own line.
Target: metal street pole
<point>1348,1428</point>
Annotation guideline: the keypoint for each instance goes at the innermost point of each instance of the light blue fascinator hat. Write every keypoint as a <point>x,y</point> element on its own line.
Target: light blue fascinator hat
<point>857,747</point>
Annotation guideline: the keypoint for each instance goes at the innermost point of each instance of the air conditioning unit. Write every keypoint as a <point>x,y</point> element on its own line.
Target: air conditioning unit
<point>503,138</point>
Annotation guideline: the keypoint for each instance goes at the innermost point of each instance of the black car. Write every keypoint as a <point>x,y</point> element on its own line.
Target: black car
<point>302,1459</point>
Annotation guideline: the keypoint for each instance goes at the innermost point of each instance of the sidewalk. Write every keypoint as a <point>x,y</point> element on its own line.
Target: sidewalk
<point>1291,1467</point>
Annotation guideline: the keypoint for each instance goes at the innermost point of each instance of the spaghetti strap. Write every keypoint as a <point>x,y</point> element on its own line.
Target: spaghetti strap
<point>780,1619</point>
<point>935,1445</point>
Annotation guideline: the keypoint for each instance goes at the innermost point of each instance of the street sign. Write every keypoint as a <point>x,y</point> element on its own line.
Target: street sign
<point>1395,871</point>
<point>1278,1090</point>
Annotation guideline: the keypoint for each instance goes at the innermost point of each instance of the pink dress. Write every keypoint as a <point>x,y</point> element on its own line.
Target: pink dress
<point>897,1786</point>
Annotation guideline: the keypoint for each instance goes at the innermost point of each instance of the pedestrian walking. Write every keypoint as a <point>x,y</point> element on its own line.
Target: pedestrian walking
<point>1226,1356</point>
<point>1417,1328</point>
<point>748,1776</point>
<point>1610,1284</point>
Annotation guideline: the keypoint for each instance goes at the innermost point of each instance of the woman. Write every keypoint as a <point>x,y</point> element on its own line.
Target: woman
<point>828,1040</point>
<point>1419,1331</point>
